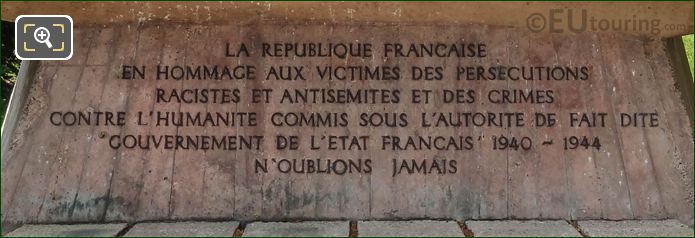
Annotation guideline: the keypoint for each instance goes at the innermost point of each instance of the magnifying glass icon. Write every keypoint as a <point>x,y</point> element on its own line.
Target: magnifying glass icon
<point>42,35</point>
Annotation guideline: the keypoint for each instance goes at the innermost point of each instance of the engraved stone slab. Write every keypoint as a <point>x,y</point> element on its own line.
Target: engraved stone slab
<point>362,121</point>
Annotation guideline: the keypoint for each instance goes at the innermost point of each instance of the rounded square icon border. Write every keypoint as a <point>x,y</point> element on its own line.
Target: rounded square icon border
<point>72,33</point>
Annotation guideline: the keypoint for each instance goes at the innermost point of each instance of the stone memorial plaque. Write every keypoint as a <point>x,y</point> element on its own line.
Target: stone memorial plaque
<point>300,120</point>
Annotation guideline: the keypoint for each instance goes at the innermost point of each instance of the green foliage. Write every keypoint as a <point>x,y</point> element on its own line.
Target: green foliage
<point>689,50</point>
<point>9,71</point>
<point>9,67</point>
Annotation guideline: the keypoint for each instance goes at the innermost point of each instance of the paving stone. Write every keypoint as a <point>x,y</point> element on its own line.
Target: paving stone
<point>218,229</point>
<point>78,230</point>
<point>8,227</point>
<point>663,228</point>
<point>522,228</point>
<point>296,229</point>
<point>409,228</point>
